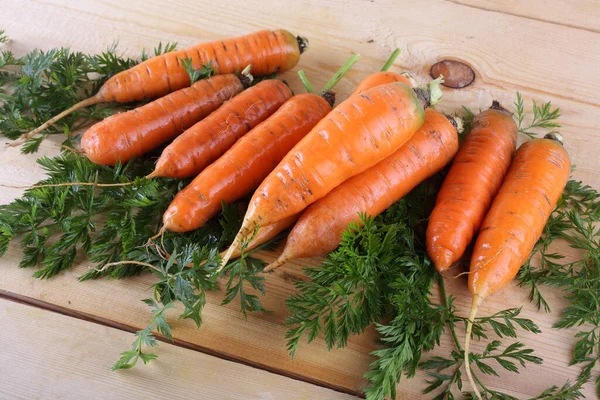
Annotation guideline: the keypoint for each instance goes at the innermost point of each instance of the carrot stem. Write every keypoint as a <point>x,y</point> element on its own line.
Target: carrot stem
<point>474,308</point>
<point>305,82</point>
<point>84,103</point>
<point>390,60</point>
<point>340,73</point>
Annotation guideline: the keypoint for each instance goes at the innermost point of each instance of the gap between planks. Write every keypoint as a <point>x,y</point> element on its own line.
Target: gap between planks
<point>17,298</point>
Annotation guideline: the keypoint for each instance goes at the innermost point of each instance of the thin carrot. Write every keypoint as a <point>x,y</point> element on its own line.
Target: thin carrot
<point>206,141</point>
<point>357,134</point>
<point>516,220</point>
<point>133,133</point>
<point>471,184</point>
<point>382,77</point>
<point>267,51</point>
<point>243,167</point>
<point>319,229</point>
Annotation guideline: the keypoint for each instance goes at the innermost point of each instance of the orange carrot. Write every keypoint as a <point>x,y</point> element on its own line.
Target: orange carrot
<point>357,134</point>
<point>382,77</point>
<point>516,220</point>
<point>471,184</point>
<point>267,52</point>
<point>319,230</point>
<point>243,167</point>
<point>133,133</point>
<point>207,140</point>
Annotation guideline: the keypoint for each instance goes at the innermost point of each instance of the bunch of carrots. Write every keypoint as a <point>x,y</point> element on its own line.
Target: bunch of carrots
<point>314,168</point>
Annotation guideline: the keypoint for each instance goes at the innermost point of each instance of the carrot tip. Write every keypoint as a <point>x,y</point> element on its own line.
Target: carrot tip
<point>475,303</point>
<point>276,264</point>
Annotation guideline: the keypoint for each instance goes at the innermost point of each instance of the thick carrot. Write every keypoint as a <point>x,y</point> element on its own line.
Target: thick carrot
<point>133,133</point>
<point>382,77</point>
<point>516,220</point>
<point>471,184</point>
<point>265,233</point>
<point>319,229</point>
<point>357,134</point>
<point>267,52</point>
<point>243,167</point>
<point>210,138</point>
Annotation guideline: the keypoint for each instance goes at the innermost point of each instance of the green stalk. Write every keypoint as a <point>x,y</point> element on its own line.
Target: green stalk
<point>305,82</point>
<point>391,60</point>
<point>340,73</point>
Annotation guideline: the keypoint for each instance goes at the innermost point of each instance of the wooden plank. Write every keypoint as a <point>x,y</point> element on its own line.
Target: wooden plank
<point>580,14</point>
<point>67,358</point>
<point>509,53</point>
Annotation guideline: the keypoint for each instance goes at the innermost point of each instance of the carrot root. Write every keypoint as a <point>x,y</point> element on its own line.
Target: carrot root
<point>84,103</point>
<point>68,184</point>
<point>245,230</point>
<point>474,308</point>
<point>276,264</point>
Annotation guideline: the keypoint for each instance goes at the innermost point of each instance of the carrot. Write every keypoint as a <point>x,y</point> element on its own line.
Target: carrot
<point>243,167</point>
<point>382,77</point>
<point>319,230</point>
<point>264,234</point>
<point>267,52</point>
<point>206,141</point>
<point>357,134</point>
<point>471,184</point>
<point>516,220</point>
<point>133,133</point>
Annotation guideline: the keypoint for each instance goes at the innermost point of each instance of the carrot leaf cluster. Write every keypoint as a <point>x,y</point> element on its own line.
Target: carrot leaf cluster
<point>544,117</point>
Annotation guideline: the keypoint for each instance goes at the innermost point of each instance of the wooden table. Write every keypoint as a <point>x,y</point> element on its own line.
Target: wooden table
<point>60,337</point>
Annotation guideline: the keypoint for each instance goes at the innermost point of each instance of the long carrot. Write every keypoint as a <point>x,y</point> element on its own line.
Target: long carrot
<point>207,140</point>
<point>471,184</point>
<point>267,52</point>
<point>319,229</point>
<point>243,167</point>
<point>356,135</point>
<point>133,133</point>
<point>516,220</point>
<point>382,77</point>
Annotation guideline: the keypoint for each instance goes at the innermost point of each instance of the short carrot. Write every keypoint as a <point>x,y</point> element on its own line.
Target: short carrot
<point>135,132</point>
<point>243,167</point>
<point>267,51</point>
<point>319,229</point>
<point>516,220</point>
<point>382,77</point>
<point>357,134</point>
<point>470,186</point>
<point>203,143</point>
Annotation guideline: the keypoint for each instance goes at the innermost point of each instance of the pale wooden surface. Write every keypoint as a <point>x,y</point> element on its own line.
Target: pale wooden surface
<point>69,357</point>
<point>534,48</point>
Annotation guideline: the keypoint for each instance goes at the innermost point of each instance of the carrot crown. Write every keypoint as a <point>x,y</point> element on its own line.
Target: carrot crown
<point>326,92</point>
<point>430,94</point>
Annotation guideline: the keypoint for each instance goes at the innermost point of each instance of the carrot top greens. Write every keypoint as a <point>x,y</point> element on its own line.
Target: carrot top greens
<point>379,273</point>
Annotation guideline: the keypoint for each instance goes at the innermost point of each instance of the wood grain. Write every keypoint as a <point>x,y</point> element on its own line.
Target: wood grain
<point>544,61</point>
<point>580,14</point>
<point>62,357</point>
